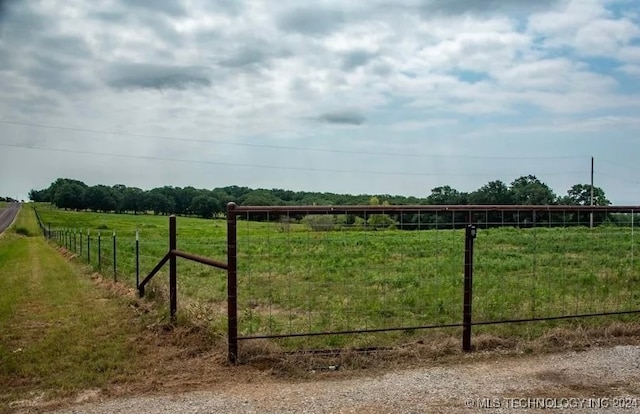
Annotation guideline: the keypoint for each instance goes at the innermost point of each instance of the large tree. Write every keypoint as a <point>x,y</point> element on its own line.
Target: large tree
<point>529,190</point>
<point>494,192</point>
<point>39,195</point>
<point>69,195</point>
<point>204,205</point>
<point>580,195</point>
<point>159,203</point>
<point>133,199</point>
<point>379,221</point>
<point>100,198</point>
<point>446,195</point>
<point>260,198</point>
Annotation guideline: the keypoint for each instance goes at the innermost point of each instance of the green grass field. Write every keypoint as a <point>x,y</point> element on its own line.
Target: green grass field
<point>49,341</point>
<point>293,280</point>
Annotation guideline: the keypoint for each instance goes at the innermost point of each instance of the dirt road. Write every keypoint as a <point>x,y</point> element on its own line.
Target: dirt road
<point>594,381</point>
<point>8,214</point>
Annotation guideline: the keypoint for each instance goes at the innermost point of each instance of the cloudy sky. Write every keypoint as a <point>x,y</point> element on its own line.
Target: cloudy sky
<point>379,96</point>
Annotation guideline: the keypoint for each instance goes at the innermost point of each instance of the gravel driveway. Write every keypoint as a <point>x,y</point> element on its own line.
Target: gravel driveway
<point>593,381</point>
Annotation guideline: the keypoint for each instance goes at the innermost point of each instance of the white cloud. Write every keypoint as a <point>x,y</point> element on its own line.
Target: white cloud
<point>586,26</point>
<point>630,54</point>
<point>605,37</point>
<point>270,72</point>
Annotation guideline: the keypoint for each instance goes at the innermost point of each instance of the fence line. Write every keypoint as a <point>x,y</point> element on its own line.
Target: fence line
<point>332,271</point>
<point>98,250</point>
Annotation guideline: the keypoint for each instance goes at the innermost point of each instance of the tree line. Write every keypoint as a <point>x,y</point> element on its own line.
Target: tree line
<point>74,194</point>
<point>8,200</point>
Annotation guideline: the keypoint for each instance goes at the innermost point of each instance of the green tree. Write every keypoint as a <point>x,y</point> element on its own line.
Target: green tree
<point>260,198</point>
<point>117,192</point>
<point>133,200</point>
<point>446,195</point>
<point>580,195</point>
<point>529,190</point>
<point>100,198</point>
<point>379,221</point>
<point>492,193</point>
<point>159,203</point>
<point>69,195</point>
<point>58,183</point>
<point>320,222</point>
<point>39,196</point>
<point>204,206</point>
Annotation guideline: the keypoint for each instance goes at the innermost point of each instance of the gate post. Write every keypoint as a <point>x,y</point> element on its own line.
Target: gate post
<point>137,259</point>
<point>173,289</point>
<point>470,234</point>
<point>115,277</point>
<point>232,284</point>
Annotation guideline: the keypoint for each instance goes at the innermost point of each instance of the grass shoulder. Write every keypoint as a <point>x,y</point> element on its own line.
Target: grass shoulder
<point>65,330</point>
<point>25,223</point>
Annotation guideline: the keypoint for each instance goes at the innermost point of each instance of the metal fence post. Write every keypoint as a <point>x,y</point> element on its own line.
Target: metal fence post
<point>137,258</point>
<point>80,243</point>
<point>468,285</point>
<point>88,248</point>
<point>173,299</point>
<point>74,241</point>
<point>232,284</point>
<point>99,251</point>
<point>115,277</point>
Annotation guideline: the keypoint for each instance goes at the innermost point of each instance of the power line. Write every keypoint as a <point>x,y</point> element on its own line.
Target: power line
<point>280,147</point>
<point>274,167</point>
<point>618,165</point>
<point>619,178</point>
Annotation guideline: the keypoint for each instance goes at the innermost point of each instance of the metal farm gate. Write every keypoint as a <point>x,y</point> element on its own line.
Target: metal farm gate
<point>305,271</point>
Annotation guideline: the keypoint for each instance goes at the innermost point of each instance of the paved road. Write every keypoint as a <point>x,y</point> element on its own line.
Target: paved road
<point>8,214</point>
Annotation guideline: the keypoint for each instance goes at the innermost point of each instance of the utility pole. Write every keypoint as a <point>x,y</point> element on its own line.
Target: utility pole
<point>591,214</point>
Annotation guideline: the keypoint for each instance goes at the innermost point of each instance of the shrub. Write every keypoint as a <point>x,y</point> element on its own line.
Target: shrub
<point>23,231</point>
<point>320,222</point>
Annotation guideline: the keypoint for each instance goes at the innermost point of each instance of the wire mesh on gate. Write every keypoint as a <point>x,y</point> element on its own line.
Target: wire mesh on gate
<point>545,264</point>
<point>308,273</point>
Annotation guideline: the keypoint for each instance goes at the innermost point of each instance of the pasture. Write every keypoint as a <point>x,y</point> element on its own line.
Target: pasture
<point>294,280</point>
